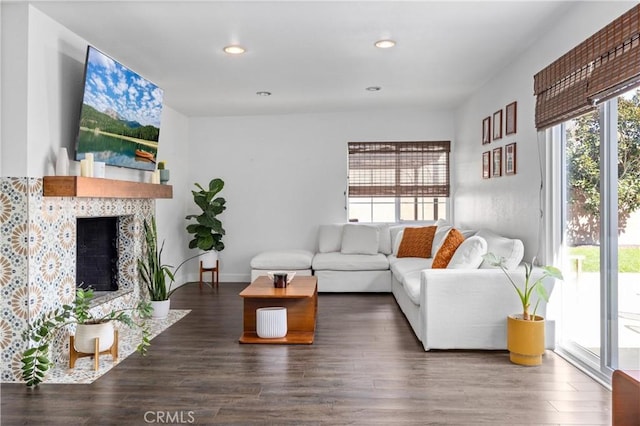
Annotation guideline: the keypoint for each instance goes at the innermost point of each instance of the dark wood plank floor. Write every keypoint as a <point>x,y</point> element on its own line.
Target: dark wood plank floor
<point>365,367</point>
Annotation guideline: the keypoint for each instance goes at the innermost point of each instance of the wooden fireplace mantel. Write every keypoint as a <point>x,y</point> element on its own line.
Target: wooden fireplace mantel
<point>86,187</point>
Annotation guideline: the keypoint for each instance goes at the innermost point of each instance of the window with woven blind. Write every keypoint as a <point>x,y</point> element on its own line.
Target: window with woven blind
<point>407,175</point>
<point>605,65</point>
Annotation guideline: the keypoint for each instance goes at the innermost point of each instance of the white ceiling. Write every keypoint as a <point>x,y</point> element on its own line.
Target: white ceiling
<point>313,56</point>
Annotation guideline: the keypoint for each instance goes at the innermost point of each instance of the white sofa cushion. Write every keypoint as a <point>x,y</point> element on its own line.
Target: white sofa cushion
<point>404,265</point>
<point>350,262</point>
<point>359,239</point>
<point>512,250</point>
<point>411,284</point>
<point>384,238</point>
<point>395,232</point>
<point>396,239</point>
<point>282,259</point>
<point>469,254</point>
<point>330,238</point>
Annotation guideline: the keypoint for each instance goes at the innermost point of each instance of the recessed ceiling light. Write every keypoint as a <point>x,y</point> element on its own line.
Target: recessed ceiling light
<point>263,93</point>
<point>373,88</point>
<point>234,49</point>
<point>384,44</point>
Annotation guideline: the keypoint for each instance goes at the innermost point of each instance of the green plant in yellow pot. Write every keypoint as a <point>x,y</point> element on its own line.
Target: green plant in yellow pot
<point>525,331</point>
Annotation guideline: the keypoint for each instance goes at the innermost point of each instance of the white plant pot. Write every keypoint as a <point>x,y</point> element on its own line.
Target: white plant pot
<point>160,308</point>
<point>271,323</point>
<point>209,259</point>
<point>86,334</point>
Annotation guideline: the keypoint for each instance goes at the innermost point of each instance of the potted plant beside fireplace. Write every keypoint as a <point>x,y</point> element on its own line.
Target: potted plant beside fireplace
<point>42,332</point>
<point>525,332</point>
<point>153,273</point>
<point>208,231</point>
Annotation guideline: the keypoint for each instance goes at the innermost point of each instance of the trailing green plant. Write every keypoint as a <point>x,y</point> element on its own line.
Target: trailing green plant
<point>207,231</point>
<point>40,333</point>
<point>153,272</point>
<point>525,291</point>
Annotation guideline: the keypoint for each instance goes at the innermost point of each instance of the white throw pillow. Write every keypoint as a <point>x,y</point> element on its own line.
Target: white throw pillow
<point>469,254</point>
<point>330,238</point>
<point>443,228</point>
<point>512,250</point>
<point>384,238</point>
<point>396,239</point>
<point>359,239</point>
<point>468,232</point>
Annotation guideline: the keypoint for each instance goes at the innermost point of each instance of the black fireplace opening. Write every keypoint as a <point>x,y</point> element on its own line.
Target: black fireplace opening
<point>97,253</point>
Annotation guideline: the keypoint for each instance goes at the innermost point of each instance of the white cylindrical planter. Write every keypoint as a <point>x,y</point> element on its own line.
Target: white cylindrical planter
<point>271,323</point>
<point>160,308</point>
<point>84,340</point>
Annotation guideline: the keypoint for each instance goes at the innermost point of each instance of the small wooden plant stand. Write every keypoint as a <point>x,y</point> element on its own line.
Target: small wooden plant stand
<point>74,355</point>
<point>214,274</point>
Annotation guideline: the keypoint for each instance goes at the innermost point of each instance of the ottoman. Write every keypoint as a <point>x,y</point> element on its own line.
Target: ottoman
<point>281,260</point>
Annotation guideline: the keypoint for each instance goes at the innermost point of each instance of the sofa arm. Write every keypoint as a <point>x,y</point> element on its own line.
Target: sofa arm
<point>466,308</point>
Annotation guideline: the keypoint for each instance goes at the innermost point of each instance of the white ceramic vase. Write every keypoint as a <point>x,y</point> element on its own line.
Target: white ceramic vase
<point>160,308</point>
<point>62,162</point>
<point>86,334</point>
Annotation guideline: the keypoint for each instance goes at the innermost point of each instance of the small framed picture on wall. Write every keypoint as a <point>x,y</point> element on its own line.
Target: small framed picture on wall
<point>486,131</point>
<point>497,162</point>
<point>510,159</point>
<point>512,118</point>
<point>497,125</point>
<point>486,164</point>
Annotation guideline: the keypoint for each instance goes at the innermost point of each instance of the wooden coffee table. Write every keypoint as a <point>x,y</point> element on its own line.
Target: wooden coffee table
<point>300,298</point>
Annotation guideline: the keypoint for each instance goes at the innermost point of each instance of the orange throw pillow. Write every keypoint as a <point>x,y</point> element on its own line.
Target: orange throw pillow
<point>447,249</point>
<point>416,242</point>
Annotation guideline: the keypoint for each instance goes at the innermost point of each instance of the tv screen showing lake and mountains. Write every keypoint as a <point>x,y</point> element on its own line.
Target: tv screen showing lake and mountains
<point>120,115</point>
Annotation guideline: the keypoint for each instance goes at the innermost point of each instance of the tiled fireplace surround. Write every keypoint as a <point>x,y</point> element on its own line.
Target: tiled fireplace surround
<point>38,257</point>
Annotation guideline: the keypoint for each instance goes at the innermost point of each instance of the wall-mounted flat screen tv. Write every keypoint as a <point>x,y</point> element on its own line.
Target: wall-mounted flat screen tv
<point>120,115</point>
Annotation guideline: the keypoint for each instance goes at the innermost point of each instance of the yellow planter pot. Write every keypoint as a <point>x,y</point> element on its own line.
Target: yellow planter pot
<point>525,340</point>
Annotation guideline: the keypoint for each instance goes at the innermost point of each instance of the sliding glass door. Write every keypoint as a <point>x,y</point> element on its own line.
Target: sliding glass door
<point>600,236</point>
<point>628,235</point>
<point>581,238</point>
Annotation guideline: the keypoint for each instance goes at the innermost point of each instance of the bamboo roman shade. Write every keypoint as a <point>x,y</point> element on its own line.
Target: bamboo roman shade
<point>601,67</point>
<point>399,169</point>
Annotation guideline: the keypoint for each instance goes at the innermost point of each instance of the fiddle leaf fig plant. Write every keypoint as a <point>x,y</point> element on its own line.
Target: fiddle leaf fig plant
<point>525,291</point>
<point>207,231</point>
<point>36,358</point>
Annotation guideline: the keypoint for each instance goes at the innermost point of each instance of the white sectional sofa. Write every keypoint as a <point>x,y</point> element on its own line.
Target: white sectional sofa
<point>353,258</point>
<point>463,306</point>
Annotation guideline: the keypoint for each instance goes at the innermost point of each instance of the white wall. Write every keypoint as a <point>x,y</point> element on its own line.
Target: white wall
<point>285,175</point>
<point>14,26</point>
<point>511,204</point>
<point>0,91</point>
<point>173,148</point>
<point>54,91</point>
